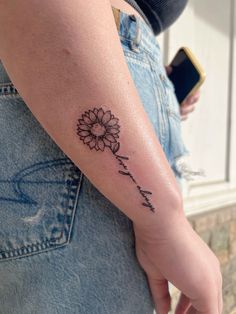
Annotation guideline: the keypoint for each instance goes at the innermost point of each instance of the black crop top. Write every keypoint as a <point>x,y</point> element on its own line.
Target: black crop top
<point>159,14</point>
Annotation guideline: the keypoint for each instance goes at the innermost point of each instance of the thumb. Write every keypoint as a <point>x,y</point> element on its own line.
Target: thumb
<point>161,296</point>
<point>183,304</point>
<point>168,69</point>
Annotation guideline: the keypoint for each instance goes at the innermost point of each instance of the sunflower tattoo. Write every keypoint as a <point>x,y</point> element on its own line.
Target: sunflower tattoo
<point>100,129</point>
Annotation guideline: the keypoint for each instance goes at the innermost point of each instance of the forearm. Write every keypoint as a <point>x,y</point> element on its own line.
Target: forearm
<point>65,59</point>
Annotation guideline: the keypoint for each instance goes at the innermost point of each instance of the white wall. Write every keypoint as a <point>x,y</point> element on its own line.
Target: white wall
<point>206,27</point>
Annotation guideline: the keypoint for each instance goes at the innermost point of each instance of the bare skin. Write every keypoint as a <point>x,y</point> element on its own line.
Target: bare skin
<point>178,255</point>
<point>62,53</point>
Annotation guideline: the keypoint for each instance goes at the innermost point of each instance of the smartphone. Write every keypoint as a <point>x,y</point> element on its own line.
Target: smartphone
<point>187,75</point>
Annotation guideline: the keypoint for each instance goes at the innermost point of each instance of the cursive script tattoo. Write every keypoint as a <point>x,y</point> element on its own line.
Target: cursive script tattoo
<point>100,129</point>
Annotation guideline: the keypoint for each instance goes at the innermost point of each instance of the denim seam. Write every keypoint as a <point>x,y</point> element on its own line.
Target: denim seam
<point>170,111</point>
<point>46,245</point>
<point>8,89</point>
<point>165,84</point>
<point>141,48</point>
<point>173,114</point>
<point>66,195</point>
<point>136,60</point>
<point>10,96</point>
<point>158,99</point>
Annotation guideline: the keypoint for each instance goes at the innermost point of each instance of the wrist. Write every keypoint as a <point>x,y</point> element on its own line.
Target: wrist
<point>162,227</point>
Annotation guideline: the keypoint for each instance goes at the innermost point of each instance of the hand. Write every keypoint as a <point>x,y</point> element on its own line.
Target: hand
<point>188,104</point>
<point>177,254</point>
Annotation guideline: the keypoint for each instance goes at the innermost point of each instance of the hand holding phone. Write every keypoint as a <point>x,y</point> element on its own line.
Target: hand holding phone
<point>186,74</point>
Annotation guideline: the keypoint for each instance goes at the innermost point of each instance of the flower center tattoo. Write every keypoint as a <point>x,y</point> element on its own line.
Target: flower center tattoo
<point>99,129</point>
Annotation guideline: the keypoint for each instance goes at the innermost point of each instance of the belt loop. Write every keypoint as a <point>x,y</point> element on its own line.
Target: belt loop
<point>136,41</point>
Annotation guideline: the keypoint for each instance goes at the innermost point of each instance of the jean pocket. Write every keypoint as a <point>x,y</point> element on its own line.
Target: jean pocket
<point>39,185</point>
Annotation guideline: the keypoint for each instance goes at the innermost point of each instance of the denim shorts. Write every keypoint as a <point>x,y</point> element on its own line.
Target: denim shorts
<point>64,247</point>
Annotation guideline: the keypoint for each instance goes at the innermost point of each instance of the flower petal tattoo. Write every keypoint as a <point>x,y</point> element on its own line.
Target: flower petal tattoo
<point>99,129</point>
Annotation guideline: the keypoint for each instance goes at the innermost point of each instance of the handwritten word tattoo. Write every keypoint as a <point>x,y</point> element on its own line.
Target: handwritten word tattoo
<point>99,129</point>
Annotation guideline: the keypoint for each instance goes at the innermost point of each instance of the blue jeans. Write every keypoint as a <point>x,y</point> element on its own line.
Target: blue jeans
<point>64,247</point>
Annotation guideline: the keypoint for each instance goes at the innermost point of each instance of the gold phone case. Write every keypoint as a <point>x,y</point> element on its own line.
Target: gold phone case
<point>198,67</point>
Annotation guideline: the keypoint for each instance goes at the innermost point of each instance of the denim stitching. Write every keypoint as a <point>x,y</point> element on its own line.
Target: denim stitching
<point>135,38</point>
<point>141,61</point>
<point>66,194</point>
<point>159,98</point>
<point>142,48</point>
<point>46,245</point>
<point>165,85</point>
<point>7,89</point>
<point>18,178</point>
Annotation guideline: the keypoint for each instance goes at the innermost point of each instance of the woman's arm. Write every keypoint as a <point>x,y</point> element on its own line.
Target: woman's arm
<point>66,61</point>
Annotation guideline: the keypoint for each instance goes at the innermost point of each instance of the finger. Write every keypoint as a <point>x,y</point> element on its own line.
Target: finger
<point>187,101</point>
<point>186,110</point>
<point>183,304</point>
<point>220,298</point>
<point>168,69</point>
<point>196,94</point>
<point>206,304</point>
<point>220,302</point>
<point>161,295</point>
<point>183,118</point>
<point>191,99</point>
<point>194,99</point>
<point>192,310</point>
